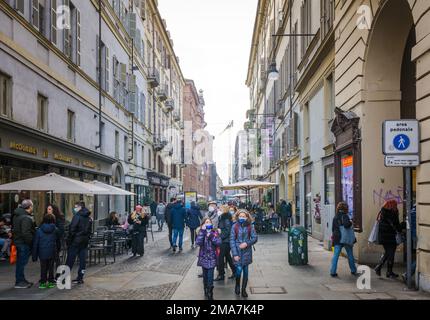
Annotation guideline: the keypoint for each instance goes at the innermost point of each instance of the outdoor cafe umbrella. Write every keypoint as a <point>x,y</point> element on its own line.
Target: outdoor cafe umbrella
<point>111,190</point>
<point>248,185</point>
<point>54,183</point>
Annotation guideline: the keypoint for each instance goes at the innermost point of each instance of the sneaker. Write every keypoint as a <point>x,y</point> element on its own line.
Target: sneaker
<point>43,285</point>
<point>180,249</point>
<point>174,249</point>
<point>22,285</point>
<point>52,285</point>
<point>78,281</point>
<point>334,275</point>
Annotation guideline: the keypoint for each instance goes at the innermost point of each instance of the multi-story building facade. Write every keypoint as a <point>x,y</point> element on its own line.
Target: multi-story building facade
<point>196,175</point>
<point>367,59</point>
<point>241,160</point>
<point>89,92</point>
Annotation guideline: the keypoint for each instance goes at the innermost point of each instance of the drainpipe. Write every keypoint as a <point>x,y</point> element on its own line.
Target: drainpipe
<point>100,76</point>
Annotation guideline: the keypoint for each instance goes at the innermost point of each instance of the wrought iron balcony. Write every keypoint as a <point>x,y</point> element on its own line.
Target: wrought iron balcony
<point>159,144</point>
<point>153,77</point>
<point>176,116</point>
<point>170,105</point>
<point>163,92</point>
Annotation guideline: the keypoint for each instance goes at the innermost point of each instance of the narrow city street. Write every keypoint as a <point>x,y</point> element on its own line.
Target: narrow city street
<point>163,275</point>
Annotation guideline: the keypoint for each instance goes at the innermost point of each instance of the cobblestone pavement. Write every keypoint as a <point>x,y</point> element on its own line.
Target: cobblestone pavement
<point>156,275</point>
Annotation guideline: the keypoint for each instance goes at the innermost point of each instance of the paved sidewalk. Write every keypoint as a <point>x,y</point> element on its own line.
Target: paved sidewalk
<point>271,277</point>
<point>156,275</point>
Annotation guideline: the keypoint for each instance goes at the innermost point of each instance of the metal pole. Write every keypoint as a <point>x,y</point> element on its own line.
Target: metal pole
<point>408,227</point>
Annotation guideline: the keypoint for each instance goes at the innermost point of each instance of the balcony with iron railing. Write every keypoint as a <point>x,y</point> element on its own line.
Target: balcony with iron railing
<point>176,116</point>
<point>159,143</point>
<point>153,77</point>
<point>169,104</point>
<point>163,92</point>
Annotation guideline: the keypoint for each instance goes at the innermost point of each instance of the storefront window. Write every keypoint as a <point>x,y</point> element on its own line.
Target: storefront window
<point>329,196</point>
<point>347,180</point>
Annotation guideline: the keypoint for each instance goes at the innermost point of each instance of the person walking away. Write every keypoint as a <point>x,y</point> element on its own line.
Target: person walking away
<point>160,214</point>
<point>225,224</point>
<point>44,249</point>
<point>341,219</point>
<point>23,230</point>
<point>208,240</point>
<point>168,216</point>
<point>113,220</point>
<point>193,220</point>
<point>389,226</point>
<point>242,237</point>
<point>79,237</point>
<point>289,215</point>
<point>60,222</point>
<point>284,214</point>
<point>5,239</point>
<point>139,220</point>
<point>178,224</point>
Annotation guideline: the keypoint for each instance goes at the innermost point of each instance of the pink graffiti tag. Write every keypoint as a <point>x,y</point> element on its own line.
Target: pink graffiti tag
<point>379,197</point>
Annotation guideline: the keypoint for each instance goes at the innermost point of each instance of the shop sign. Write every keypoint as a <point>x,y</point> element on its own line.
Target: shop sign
<point>22,148</point>
<point>63,158</point>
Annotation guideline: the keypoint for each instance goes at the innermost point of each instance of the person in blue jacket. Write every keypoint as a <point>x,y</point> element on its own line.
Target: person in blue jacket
<point>44,249</point>
<point>242,237</point>
<point>193,220</point>
<point>178,216</point>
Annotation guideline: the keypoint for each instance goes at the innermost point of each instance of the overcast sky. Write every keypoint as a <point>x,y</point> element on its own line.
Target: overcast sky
<point>213,39</point>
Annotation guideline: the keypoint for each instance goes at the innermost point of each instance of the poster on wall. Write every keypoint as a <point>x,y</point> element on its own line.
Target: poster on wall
<point>348,182</point>
<point>189,197</point>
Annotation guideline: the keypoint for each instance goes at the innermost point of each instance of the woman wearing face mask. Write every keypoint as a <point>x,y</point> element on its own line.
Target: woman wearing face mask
<point>242,238</point>
<point>208,240</point>
<point>213,213</point>
<point>225,224</point>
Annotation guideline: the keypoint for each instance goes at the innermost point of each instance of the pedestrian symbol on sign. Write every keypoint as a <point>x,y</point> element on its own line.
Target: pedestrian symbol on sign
<point>401,142</point>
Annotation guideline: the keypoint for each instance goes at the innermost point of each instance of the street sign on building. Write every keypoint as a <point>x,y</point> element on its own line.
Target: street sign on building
<point>401,137</point>
<point>400,143</point>
<point>402,161</point>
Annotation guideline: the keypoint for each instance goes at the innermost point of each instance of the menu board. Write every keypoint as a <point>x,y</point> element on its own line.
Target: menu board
<point>348,182</point>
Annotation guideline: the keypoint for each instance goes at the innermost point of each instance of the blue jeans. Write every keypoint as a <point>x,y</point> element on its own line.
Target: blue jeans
<point>23,253</point>
<point>208,277</point>
<point>240,269</point>
<point>177,232</point>
<point>71,257</point>
<point>337,251</point>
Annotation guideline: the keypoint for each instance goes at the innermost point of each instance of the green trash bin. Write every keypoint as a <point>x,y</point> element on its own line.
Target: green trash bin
<point>297,246</point>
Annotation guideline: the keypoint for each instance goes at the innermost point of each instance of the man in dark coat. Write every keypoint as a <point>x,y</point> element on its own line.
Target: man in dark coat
<point>79,237</point>
<point>23,232</point>
<point>225,223</point>
<point>168,216</point>
<point>194,218</point>
<point>178,224</point>
<point>283,212</point>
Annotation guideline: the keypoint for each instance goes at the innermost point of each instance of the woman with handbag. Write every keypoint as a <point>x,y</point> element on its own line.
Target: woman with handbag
<point>139,220</point>
<point>388,236</point>
<point>343,237</point>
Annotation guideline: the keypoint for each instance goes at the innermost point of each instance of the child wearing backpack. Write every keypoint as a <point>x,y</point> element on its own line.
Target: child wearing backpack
<point>44,249</point>
<point>243,236</point>
<point>209,241</point>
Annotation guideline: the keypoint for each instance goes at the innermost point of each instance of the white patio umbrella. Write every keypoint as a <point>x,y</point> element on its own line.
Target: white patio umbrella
<point>114,191</point>
<point>54,183</point>
<point>248,185</point>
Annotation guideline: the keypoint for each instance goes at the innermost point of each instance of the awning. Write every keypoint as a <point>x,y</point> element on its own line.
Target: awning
<point>54,183</point>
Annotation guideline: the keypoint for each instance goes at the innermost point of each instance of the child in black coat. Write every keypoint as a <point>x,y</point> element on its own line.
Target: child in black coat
<point>44,248</point>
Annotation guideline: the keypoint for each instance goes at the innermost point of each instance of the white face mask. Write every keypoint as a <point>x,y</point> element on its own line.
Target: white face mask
<point>211,209</point>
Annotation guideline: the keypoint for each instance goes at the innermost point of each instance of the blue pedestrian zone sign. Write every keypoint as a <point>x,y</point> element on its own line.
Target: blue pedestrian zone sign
<point>401,142</point>
<point>400,137</point>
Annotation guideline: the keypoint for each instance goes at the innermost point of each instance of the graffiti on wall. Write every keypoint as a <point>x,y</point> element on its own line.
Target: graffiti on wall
<point>382,195</point>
